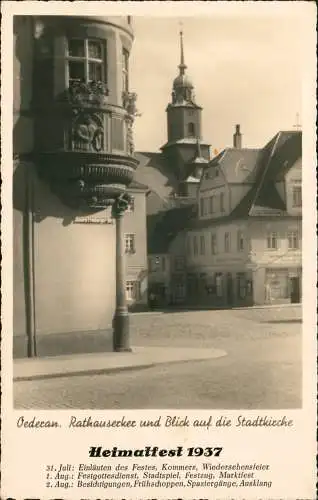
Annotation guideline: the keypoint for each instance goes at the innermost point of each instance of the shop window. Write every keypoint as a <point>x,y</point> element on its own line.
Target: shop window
<point>276,285</point>
<point>86,60</point>
<point>130,246</point>
<point>272,241</point>
<point>293,240</point>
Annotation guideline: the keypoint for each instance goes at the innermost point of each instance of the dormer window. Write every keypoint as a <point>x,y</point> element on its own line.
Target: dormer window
<point>86,60</point>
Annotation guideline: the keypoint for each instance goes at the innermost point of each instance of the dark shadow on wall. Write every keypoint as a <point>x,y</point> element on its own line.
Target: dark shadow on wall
<point>22,27</point>
<point>41,200</point>
<point>66,343</point>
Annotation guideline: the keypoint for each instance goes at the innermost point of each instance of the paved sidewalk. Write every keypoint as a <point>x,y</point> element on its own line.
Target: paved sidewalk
<point>189,308</point>
<point>107,362</point>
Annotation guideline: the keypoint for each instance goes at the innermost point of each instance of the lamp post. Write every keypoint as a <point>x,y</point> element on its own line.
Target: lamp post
<point>121,341</point>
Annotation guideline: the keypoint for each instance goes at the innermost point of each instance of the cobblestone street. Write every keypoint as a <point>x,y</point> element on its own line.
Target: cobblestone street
<point>262,369</point>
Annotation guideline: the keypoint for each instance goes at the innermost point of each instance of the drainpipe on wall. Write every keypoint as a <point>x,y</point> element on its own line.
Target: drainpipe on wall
<point>28,224</point>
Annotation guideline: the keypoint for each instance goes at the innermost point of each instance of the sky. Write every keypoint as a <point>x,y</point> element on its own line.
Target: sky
<point>245,70</point>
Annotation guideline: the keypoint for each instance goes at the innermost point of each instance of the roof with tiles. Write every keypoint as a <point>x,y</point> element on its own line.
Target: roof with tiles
<point>155,173</point>
<point>279,155</point>
<point>266,165</point>
<point>237,165</point>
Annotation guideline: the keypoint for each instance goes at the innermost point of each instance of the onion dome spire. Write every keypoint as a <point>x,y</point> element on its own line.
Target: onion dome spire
<point>182,65</point>
<point>182,86</point>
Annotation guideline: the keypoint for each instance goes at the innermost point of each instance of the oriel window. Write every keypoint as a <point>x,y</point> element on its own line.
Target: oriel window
<point>86,60</point>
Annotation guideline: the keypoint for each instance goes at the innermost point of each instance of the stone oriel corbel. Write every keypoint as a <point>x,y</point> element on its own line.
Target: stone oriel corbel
<point>121,204</point>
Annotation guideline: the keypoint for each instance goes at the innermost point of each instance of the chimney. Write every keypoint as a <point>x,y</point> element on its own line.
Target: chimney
<point>237,138</point>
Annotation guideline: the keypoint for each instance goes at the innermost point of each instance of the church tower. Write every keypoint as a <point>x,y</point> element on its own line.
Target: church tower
<point>183,114</point>
<point>183,124</point>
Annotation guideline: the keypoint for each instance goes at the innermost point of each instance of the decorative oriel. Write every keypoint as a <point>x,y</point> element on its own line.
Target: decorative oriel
<point>91,163</point>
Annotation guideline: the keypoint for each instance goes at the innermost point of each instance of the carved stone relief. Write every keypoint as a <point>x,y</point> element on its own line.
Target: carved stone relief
<point>88,133</point>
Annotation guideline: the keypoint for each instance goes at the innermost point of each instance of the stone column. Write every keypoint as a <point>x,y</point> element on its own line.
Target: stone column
<point>121,341</point>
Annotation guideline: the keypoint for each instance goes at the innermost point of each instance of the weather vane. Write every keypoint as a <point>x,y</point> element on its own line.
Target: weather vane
<point>297,125</point>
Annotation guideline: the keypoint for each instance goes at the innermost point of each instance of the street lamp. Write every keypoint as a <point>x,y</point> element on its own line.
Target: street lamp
<point>121,340</point>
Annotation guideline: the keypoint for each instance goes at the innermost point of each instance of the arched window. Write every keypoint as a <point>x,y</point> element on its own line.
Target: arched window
<point>191,129</point>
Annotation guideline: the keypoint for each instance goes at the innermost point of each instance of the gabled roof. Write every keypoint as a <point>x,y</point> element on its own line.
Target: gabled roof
<point>164,226</point>
<point>271,164</point>
<point>278,156</point>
